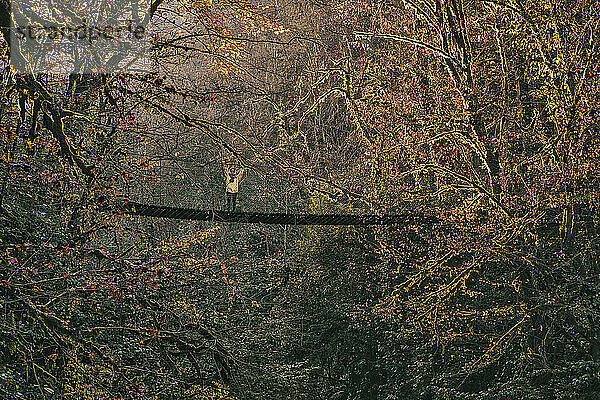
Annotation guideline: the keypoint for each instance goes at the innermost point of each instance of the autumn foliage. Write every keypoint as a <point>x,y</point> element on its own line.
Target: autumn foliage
<point>483,114</point>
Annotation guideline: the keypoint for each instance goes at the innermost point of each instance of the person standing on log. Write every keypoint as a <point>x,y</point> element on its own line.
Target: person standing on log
<point>233,177</point>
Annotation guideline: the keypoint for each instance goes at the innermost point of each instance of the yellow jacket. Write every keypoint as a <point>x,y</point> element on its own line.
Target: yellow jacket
<point>233,179</point>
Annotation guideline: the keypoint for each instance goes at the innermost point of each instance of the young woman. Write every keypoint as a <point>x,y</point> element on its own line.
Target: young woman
<point>233,176</point>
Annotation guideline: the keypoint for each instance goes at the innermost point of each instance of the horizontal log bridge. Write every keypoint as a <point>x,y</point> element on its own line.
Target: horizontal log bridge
<point>132,208</point>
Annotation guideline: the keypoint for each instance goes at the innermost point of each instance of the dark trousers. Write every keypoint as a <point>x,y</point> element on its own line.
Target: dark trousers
<point>231,201</point>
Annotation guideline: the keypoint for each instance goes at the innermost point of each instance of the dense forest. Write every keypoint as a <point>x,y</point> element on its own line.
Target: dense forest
<point>481,114</point>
